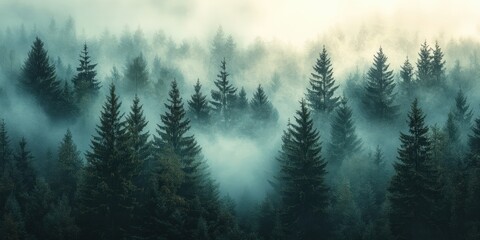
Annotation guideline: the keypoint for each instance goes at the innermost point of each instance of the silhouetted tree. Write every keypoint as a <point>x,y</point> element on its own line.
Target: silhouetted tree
<point>322,86</point>
<point>344,141</point>
<point>38,78</point>
<point>462,114</point>
<point>106,195</point>
<point>261,107</point>
<point>379,98</point>
<point>198,105</point>
<point>224,97</point>
<point>414,189</point>
<point>438,66</point>
<point>85,84</point>
<point>68,169</point>
<point>303,192</point>
<point>137,74</point>
<point>424,65</point>
<point>406,75</point>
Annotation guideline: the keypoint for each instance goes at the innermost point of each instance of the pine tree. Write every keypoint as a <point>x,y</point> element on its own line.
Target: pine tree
<point>414,190</point>
<point>322,86</point>
<point>106,195</point>
<point>225,95</point>
<point>68,169</point>
<point>303,191</point>
<point>5,151</point>
<point>242,101</point>
<point>379,96</point>
<point>6,166</point>
<point>344,141</point>
<point>261,107</point>
<point>25,178</point>
<point>172,134</point>
<point>198,105</point>
<point>424,65</point>
<point>138,144</point>
<point>85,84</point>
<point>137,74</point>
<point>39,79</point>
<point>462,114</point>
<point>474,142</point>
<point>472,185</point>
<point>438,66</point>
<point>406,74</point>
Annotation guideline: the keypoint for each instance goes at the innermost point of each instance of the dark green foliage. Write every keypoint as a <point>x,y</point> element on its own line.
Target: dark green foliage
<point>39,79</point>
<point>25,177</point>
<point>438,66</point>
<point>6,166</point>
<point>414,189</point>
<point>172,135</point>
<point>67,169</point>
<point>138,145</point>
<point>379,98</point>
<point>407,77</point>
<point>106,195</point>
<point>137,74</point>
<point>224,97</point>
<point>198,105</point>
<point>59,222</point>
<point>424,69</point>
<point>85,84</point>
<point>462,114</point>
<point>322,86</point>
<point>301,180</point>
<point>12,225</point>
<point>344,141</point>
<point>261,107</point>
<point>474,142</point>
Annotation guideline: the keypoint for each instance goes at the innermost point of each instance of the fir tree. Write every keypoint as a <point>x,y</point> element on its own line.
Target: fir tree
<point>5,151</point>
<point>225,95</point>
<point>474,142</point>
<point>406,74</point>
<point>25,178</point>
<point>344,141</point>
<point>198,105</point>
<point>414,190</point>
<point>6,167</point>
<point>172,134</point>
<point>322,86</point>
<point>39,79</point>
<point>260,106</point>
<point>379,96</point>
<point>138,145</point>
<point>462,114</point>
<point>424,65</point>
<point>68,169</point>
<point>438,66</point>
<point>242,101</point>
<point>137,74</point>
<point>85,84</point>
<point>303,191</point>
<point>106,195</point>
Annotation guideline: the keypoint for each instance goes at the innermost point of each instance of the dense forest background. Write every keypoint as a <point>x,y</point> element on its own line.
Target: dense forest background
<point>144,136</point>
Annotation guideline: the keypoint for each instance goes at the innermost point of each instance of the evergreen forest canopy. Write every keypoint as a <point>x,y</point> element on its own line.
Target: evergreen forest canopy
<point>133,137</point>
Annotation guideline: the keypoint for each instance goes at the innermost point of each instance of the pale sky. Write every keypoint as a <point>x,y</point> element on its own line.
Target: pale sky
<point>289,21</point>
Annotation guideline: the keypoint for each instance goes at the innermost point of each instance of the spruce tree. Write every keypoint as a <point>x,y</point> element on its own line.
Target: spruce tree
<point>138,144</point>
<point>471,209</point>
<point>414,189</point>
<point>137,74</point>
<point>424,65</point>
<point>172,134</point>
<point>379,98</point>
<point>242,101</point>
<point>25,177</point>
<point>462,114</point>
<point>106,195</point>
<point>198,105</point>
<point>225,95</point>
<point>344,141</point>
<point>39,79</point>
<point>6,167</point>
<point>85,84</point>
<point>303,192</point>
<point>5,151</point>
<point>438,66</point>
<point>322,86</point>
<point>407,74</point>
<point>68,169</point>
<point>261,107</point>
